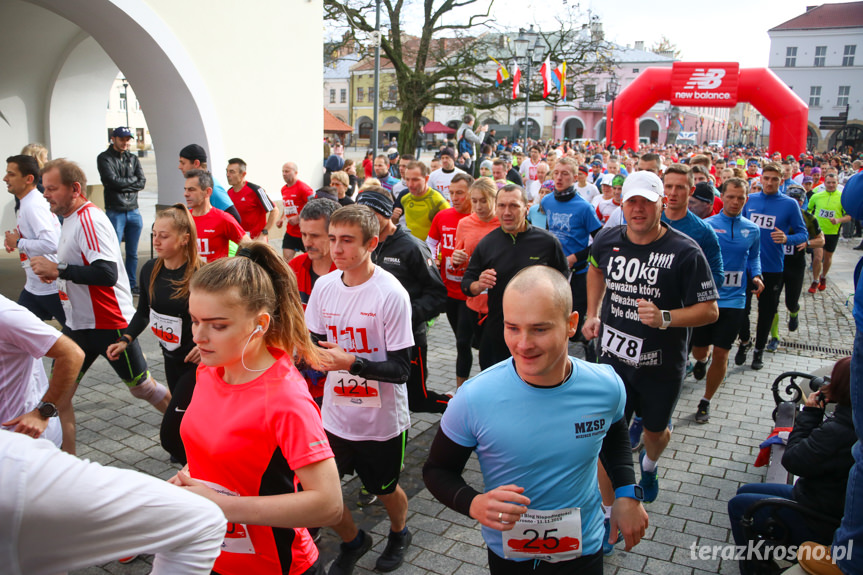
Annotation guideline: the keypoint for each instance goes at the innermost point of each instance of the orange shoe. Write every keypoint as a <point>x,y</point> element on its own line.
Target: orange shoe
<point>814,287</point>
<point>129,559</point>
<point>822,285</point>
<point>815,559</point>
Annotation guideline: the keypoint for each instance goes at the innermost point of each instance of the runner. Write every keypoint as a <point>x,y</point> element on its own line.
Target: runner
<point>36,234</point>
<point>441,242</point>
<point>361,315</point>
<point>267,463</point>
<point>659,285</point>
<point>542,479</point>
<point>410,261</point>
<point>780,221</point>
<point>826,206</point>
<point>164,306</point>
<point>740,242</point>
<point>92,281</point>
<point>218,234</point>
<point>499,256</point>
<point>295,194</point>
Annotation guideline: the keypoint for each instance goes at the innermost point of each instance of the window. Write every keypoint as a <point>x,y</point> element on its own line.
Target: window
<point>790,56</point>
<point>844,93</point>
<point>360,94</point>
<point>332,96</point>
<point>394,93</point>
<point>635,70</point>
<point>343,95</point>
<point>848,56</point>
<point>371,94</point>
<point>814,96</point>
<point>820,56</point>
<point>122,101</point>
<point>589,92</point>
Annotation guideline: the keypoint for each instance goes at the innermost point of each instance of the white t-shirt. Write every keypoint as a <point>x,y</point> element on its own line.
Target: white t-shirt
<point>25,340</point>
<point>89,236</point>
<point>440,181</point>
<point>604,208</point>
<point>366,320</point>
<point>615,219</point>
<point>588,192</point>
<point>40,234</point>
<point>530,178</point>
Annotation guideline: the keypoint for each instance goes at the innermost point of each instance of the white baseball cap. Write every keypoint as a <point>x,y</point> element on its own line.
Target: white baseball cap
<point>606,179</point>
<point>645,184</point>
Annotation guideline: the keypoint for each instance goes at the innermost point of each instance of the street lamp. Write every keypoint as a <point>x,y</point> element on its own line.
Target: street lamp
<point>376,42</point>
<point>126,99</point>
<point>527,45</point>
<point>611,88</point>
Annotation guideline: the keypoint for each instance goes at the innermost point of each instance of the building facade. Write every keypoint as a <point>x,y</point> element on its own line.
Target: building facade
<point>818,55</point>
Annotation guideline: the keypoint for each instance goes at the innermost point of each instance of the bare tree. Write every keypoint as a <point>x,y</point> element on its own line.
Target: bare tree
<point>448,61</point>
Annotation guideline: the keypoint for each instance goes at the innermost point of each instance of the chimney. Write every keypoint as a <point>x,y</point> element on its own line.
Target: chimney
<point>596,30</point>
<point>639,44</point>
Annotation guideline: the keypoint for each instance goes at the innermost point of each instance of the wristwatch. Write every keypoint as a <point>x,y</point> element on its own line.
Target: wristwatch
<point>61,266</point>
<point>265,232</point>
<point>633,491</point>
<point>666,319</point>
<point>357,366</point>
<point>47,409</point>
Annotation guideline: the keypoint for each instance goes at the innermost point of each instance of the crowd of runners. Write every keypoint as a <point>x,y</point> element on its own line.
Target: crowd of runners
<point>288,370</point>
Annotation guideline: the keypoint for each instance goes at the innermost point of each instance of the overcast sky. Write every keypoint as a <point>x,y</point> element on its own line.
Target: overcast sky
<point>727,31</point>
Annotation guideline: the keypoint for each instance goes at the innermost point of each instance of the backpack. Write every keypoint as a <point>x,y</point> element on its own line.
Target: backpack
<point>464,147</point>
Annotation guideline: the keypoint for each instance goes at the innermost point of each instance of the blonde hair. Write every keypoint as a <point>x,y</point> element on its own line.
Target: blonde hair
<point>341,177</point>
<point>38,151</point>
<point>264,281</point>
<point>182,223</point>
<point>488,188</point>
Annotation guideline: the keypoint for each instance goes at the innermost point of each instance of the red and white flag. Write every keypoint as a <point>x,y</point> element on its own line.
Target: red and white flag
<point>545,72</point>
<point>516,79</point>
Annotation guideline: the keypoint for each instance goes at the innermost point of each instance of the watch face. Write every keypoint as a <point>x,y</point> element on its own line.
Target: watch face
<point>639,492</point>
<point>47,409</point>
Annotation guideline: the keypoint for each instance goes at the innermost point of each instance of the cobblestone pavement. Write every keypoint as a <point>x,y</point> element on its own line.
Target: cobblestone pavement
<point>699,472</point>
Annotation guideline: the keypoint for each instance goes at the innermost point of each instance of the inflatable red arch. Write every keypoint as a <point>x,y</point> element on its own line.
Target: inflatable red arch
<point>712,84</point>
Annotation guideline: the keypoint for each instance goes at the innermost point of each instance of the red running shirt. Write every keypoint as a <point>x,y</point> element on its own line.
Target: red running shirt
<point>215,230</point>
<point>295,198</point>
<point>443,230</point>
<point>249,439</point>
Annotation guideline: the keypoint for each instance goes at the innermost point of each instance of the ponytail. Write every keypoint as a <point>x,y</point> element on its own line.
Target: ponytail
<point>264,281</point>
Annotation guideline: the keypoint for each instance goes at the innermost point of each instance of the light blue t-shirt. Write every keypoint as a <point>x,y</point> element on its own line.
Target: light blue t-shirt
<point>220,198</point>
<point>546,440</point>
<point>572,223</point>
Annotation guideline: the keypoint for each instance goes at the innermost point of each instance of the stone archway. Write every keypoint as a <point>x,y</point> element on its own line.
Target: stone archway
<point>649,128</point>
<point>573,128</point>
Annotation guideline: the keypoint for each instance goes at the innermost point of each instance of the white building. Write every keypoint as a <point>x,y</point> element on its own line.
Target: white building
<point>818,55</point>
<point>337,86</point>
<point>124,109</point>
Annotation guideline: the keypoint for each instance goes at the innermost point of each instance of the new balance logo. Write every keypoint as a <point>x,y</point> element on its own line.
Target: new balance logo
<point>702,80</point>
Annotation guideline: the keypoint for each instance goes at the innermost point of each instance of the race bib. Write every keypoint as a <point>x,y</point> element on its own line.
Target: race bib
<point>732,279</point>
<point>167,328</point>
<point>621,344</point>
<point>789,249</point>
<point>551,536</point>
<point>763,221</point>
<point>453,274</point>
<point>237,538</point>
<point>290,208</point>
<point>355,391</point>
<point>64,297</point>
<point>826,214</point>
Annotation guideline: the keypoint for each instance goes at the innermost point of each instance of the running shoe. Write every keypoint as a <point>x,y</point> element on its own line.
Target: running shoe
<point>649,480</point>
<point>702,414</point>
<point>394,553</point>
<point>700,369</point>
<point>344,563</point>
<point>742,350</point>
<point>793,323</point>
<point>689,366</point>
<point>128,559</point>
<point>608,548</point>
<point>813,288</point>
<point>364,499</point>
<point>635,433</point>
<point>758,359</point>
<point>822,285</point>
<point>772,345</point>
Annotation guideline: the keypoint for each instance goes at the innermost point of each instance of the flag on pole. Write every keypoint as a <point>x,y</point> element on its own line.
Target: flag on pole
<point>502,74</point>
<point>545,72</point>
<point>516,79</point>
<point>559,79</point>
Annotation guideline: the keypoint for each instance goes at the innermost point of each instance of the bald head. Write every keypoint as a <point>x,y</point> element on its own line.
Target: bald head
<point>289,173</point>
<point>535,282</point>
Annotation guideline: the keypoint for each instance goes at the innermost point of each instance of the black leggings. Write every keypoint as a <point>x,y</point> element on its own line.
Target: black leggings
<point>421,399</point>
<point>768,304</point>
<point>792,277</point>
<point>460,321</point>
<point>181,382</point>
